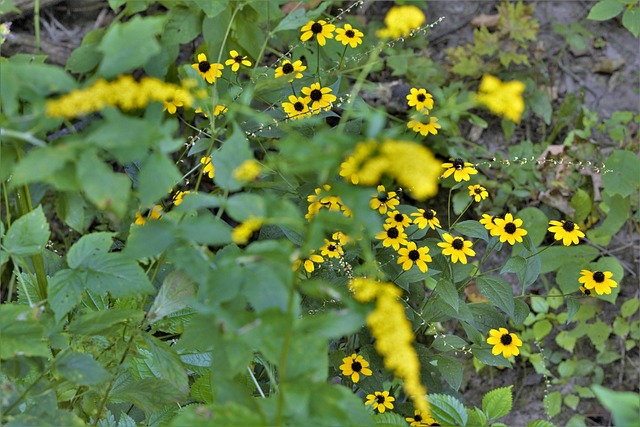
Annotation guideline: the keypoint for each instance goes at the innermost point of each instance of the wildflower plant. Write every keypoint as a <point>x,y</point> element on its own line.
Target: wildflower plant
<point>242,240</point>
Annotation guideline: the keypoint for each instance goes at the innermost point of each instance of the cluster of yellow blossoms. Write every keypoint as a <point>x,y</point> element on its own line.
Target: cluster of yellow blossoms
<point>400,21</point>
<point>502,98</point>
<point>125,93</point>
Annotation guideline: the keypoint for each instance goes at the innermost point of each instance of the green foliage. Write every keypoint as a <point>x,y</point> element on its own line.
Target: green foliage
<point>608,9</point>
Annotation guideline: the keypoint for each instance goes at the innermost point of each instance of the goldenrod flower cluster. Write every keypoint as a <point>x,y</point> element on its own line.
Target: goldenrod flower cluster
<point>411,165</point>
<point>502,98</point>
<point>125,93</point>
<point>400,21</point>
<point>393,335</point>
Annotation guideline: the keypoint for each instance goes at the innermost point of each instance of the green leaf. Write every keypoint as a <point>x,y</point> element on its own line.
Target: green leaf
<point>214,28</point>
<point>476,417</point>
<point>598,333</point>
<point>65,292</point>
<point>105,189</point>
<point>174,295</point>
<point>447,409</point>
<point>127,46</point>
<point>497,403</point>
<point>621,176</point>
<point>150,239</point>
<point>553,403</point>
<point>560,256</point>
<point>164,363</point>
<point>542,328</point>
<point>233,153</point>
<point>390,419</point>
<point>40,163</point>
<point>631,20</point>
<point>605,9</point>
<point>573,305</point>
<point>89,245</point>
<point>242,206</point>
<point>616,218</point>
<point>624,406</point>
<point>451,370</point>
<point>498,291</point>
<point>82,369</point>
<point>28,235</point>
<point>158,175</point>
<point>582,204</point>
<point>21,332</point>
<point>205,229</point>
<point>447,291</point>
<point>540,423</point>
<point>472,229</point>
<point>292,21</point>
<point>104,322</point>
<point>148,394</point>
<point>629,307</point>
<point>84,59</point>
<point>211,8</point>
<point>485,356</point>
<point>71,208</point>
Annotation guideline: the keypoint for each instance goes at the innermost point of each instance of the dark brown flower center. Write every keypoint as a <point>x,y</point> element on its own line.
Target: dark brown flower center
<point>414,255</point>
<point>598,276</point>
<point>458,164</point>
<point>398,217</point>
<point>421,97</point>
<point>238,59</point>
<point>457,243</point>
<point>356,366</point>
<point>417,418</point>
<point>298,106</point>
<point>287,68</point>
<point>204,66</point>
<point>315,95</point>
<point>380,399</point>
<point>332,248</point>
<point>510,228</point>
<point>316,28</point>
<point>428,214</point>
<point>587,292</point>
<point>477,190</point>
<point>382,196</point>
<point>393,233</point>
<point>506,339</point>
<point>350,34</point>
<point>568,226</point>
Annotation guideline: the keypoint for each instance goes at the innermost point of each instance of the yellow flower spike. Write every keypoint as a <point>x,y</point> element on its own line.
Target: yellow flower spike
<point>248,170</point>
<point>208,166</point>
<point>504,342</point>
<point>400,21</point>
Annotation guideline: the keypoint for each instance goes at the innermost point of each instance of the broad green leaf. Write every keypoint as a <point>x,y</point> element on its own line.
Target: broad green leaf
<point>175,294</point>
<point>223,414</point>
<point>485,356</point>
<point>390,419</point>
<point>205,229</point>
<point>447,291</point>
<point>553,403</point>
<point>476,417</point>
<point>84,59</point>
<point>104,322</point>
<point>497,291</point>
<point>242,206</point>
<point>292,21</point>
<point>622,173</point>
<point>520,312</point>
<point>116,274</point>
<point>629,307</point>
<point>631,20</point>
<point>82,369</point>
<point>560,256</point>
<point>65,292</point>
<point>164,363</point>
<point>201,389</point>
<point>615,219</point>
<point>498,403</point>
<point>447,409</point>
<point>89,246</point>
<point>127,46</point>
<point>214,28</point>
<point>21,332</point>
<point>540,423</point>
<point>598,333</point>
<point>582,204</point>
<point>158,175</point>
<point>150,239</point>
<point>41,416</point>
<point>41,163</point>
<point>624,406</point>
<point>106,189</point>
<point>542,328</point>
<point>605,9</point>
<point>148,394</point>
<point>451,370</point>
<point>28,235</point>
<point>472,229</point>
<point>211,8</point>
<point>184,25</point>
<point>72,209</point>
<point>233,153</point>
<point>567,368</point>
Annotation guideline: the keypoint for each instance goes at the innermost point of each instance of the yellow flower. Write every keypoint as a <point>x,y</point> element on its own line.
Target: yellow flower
<point>319,97</point>
<point>309,263</point>
<point>457,248</point>
<point>320,29</point>
<point>489,221</point>
<point>236,60</point>
<point>418,124</point>
<point>383,200</point>
<point>413,166</point>
<point>502,99</point>
<point>247,171</point>
<point>412,254</point>
<point>420,99</point>
<point>599,280</point>
<point>209,72</point>
<point>154,213</point>
<point>478,192</point>
<point>421,419</point>
<point>219,109</point>
<point>354,366</point>
<point>567,231</point>
<point>398,219</point>
<point>401,21</point>
<point>393,236</point>
<point>319,201</point>
<point>243,232</point>
<point>426,218</point>
<point>331,249</point>
<point>291,70</point>
<point>508,229</point>
<point>177,100</point>
<point>296,108</point>
<point>381,401</point>
<point>177,198</point>
<point>504,342</point>
<point>460,169</point>
<point>349,36</point>
<point>208,166</point>
<point>586,292</point>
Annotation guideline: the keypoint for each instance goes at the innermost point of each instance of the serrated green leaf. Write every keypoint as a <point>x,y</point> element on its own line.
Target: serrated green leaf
<point>211,8</point>
<point>28,235</point>
<point>65,292</point>
<point>21,332</point>
<point>390,419</point>
<point>540,423</point>
<point>149,240</point>
<point>175,294</point>
<point>82,369</point>
<point>89,246</point>
<point>451,370</point>
<point>104,321</point>
<point>165,363</point>
<point>498,291</point>
<point>148,394</point>
<point>447,409</point>
<point>497,403</point>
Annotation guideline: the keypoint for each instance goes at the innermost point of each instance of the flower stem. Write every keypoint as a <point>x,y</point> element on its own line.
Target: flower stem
<point>344,52</point>
<point>460,216</point>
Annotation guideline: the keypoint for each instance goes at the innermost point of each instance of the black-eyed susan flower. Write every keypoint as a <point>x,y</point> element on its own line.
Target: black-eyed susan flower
<point>398,218</point>
<point>504,342</point>
<point>567,231</point>
<point>218,109</point>
<point>210,72</point>
<point>424,124</point>
<point>393,236</point>
<point>236,60</point>
<point>460,170</point>
<point>599,280</point>
<point>292,70</point>
<point>586,292</point>
<point>412,254</point>
<point>383,200</point>
<point>349,36</point>
<point>421,419</point>
<point>296,108</point>
<point>331,249</point>
<point>502,98</point>
<point>319,97</point>
<point>152,214</point>
<point>457,248</point>
<point>320,29</point>
<point>420,98</point>
<point>381,401</point>
<point>309,263</point>
<point>341,238</point>
<point>354,366</point>
<point>323,200</point>
<point>248,170</point>
<point>400,21</point>
<point>177,198</point>
<point>241,234</point>
<point>426,218</point>
<point>489,221</point>
<point>208,166</point>
<point>478,192</point>
<point>177,100</point>
<point>508,229</point>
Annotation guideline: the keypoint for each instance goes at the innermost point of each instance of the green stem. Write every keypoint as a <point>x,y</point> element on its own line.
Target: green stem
<point>318,61</point>
<point>283,358</point>
<point>462,213</point>
<point>23,136</point>
<point>344,52</point>
<point>36,23</point>
<point>449,208</point>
